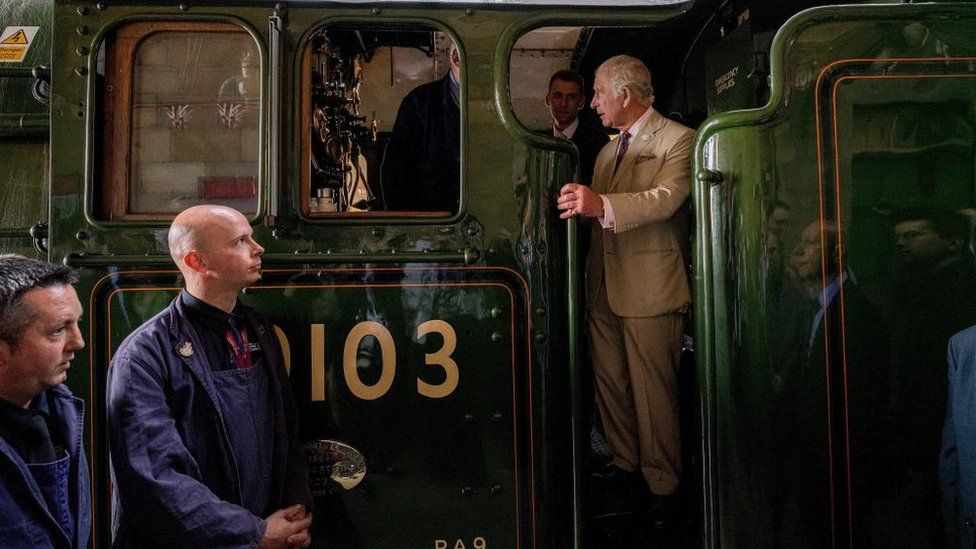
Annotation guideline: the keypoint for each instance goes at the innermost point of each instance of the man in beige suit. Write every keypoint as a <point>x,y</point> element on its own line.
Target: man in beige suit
<point>636,286</point>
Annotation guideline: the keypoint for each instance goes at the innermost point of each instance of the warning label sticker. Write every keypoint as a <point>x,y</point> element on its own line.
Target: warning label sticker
<point>14,43</point>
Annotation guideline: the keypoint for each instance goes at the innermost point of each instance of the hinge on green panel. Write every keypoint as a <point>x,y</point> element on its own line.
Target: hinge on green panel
<point>39,233</point>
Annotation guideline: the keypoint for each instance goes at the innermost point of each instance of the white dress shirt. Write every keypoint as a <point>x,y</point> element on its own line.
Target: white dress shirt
<point>607,221</point>
<point>569,132</point>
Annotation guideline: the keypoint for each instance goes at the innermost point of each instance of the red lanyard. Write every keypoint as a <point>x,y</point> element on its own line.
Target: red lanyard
<point>242,355</point>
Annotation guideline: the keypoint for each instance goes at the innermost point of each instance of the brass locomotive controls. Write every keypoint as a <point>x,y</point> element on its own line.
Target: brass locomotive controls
<point>339,181</point>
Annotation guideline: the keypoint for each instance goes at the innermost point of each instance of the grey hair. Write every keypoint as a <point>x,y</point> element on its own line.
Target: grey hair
<point>19,275</point>
<point>624,71</point>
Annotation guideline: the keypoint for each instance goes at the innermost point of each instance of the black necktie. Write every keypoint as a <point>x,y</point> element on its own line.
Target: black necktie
<point>621,150</point>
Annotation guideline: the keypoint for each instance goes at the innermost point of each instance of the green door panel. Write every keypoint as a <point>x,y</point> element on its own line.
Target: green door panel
<point>24,162</point>
<point>424,370</point>
<point>825,421</point>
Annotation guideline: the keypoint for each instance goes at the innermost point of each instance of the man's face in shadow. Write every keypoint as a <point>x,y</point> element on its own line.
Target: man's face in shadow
<point>778,220</point>
<point>565,99</point>
<point>805,261</point>
<point>919,244</point>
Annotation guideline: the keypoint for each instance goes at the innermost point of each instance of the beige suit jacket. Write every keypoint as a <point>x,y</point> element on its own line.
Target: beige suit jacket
<point>642,257</point>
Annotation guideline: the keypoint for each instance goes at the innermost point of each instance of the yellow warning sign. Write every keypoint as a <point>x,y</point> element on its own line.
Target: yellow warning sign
<point>14,43</point>
<point>19,37</point>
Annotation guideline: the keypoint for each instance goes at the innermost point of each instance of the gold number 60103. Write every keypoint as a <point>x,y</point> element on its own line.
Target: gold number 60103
<point>442,358</point>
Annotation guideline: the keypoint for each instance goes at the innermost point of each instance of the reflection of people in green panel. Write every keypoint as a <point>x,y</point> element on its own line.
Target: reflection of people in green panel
<point>799,480</point>
<point>935,285</point>
<point>243,85</point>
<point>202,424</point>
<point>934,293</point>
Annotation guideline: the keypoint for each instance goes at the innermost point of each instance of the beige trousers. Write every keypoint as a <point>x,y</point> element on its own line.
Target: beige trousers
<point>635,366</point>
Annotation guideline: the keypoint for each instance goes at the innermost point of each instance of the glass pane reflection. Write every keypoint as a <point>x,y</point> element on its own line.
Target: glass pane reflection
<point>195,118</point>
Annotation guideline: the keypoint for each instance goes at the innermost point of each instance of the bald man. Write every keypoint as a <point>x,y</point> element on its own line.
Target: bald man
<point>202,423</point>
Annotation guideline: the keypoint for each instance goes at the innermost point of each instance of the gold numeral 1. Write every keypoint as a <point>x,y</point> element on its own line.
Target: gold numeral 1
<point>318,362</point>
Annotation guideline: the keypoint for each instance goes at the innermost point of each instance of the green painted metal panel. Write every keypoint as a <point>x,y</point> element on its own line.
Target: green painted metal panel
<point>824,426</point>
<point>23,128</point>
<point>23,192</point>
<point>730,72</point>
<point>16,80</point>
<point>461,443</point>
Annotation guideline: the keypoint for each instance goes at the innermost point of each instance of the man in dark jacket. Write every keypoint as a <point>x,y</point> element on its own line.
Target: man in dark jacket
<point>831,337</point>
<point>44,484</point>
<point>934,297</point>
<point>421,164</point>
<point>565,101</point>
<point>202,423</point>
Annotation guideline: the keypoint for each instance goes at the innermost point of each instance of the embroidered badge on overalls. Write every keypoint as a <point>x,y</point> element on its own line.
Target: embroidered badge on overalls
<point>185,350</point>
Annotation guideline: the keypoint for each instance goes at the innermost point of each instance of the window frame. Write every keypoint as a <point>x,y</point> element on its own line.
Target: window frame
<point>111,203</point>
<point>305,129</point>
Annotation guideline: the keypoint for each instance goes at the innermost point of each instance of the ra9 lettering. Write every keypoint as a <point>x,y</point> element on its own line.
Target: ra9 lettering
<point>441,358</point>
<point>476,543</point>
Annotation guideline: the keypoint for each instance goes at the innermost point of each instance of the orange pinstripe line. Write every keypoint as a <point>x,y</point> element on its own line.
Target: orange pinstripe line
<point>897,76</point>
<point>843,319</point>
<point>456,268</point>
<point>823,276</point>
<point>91,388</point>
<point>829,66</point>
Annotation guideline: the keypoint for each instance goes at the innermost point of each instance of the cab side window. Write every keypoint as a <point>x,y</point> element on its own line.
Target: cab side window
<point>381,126</point>
<point>181,114</point>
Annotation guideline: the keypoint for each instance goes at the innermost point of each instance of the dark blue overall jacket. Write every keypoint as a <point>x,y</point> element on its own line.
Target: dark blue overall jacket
<point>25,519</point>
<point>176,478</point>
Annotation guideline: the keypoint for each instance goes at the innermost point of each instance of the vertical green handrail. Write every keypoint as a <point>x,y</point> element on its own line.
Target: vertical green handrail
<point>575,397</point>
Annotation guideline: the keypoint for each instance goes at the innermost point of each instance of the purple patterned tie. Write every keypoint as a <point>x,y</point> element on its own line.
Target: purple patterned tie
<point>621,150</point>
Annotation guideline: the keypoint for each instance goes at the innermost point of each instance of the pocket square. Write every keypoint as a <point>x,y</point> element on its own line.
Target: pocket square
<point>644,158</point>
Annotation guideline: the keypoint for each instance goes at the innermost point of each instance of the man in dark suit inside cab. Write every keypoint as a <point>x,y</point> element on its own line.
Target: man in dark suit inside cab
<point>565,101</point>
<point>422,161</point>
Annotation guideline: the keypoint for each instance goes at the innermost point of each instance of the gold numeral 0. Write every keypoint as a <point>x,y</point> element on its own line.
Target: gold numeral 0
<point>387,351</point>
<point>285,347</point>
